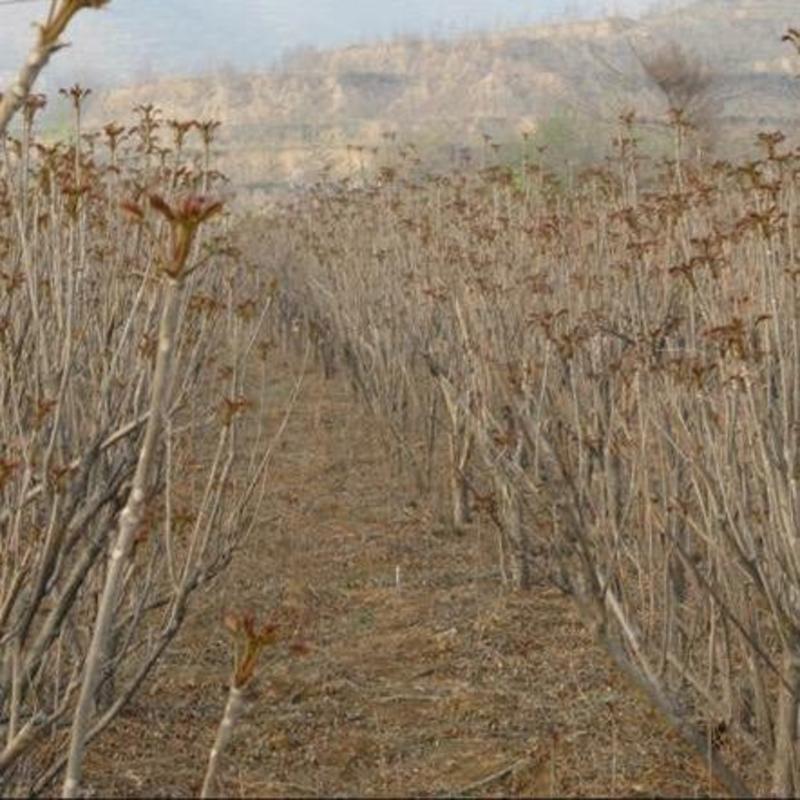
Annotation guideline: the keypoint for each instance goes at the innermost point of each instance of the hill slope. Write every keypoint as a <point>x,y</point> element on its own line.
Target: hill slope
<point>288,125</point>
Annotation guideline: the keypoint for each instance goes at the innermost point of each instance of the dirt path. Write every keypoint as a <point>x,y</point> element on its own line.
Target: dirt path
<point>442,683</point>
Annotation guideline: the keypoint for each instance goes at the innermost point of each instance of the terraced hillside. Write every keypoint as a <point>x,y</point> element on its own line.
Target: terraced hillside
<point>291,125</point>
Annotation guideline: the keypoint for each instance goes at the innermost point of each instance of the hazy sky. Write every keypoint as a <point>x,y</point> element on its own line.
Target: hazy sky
<point>131,38</point>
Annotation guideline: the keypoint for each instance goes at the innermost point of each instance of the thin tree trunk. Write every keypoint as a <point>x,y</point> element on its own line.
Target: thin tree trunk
<point>460,451</point>
<point>515,535</point>
<point>129,521</point>
<point>233,711</point>
<point>46,44</point>
<point>460,500</point>
<point>784,767</point>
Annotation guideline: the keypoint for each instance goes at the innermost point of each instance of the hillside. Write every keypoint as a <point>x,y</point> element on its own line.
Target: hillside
<point>287,125</point>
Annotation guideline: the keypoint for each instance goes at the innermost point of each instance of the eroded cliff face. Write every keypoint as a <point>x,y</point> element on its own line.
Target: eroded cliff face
<point>292,124</point>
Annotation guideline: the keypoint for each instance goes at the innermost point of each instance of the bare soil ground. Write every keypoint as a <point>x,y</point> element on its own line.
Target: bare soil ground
<point>441,682</point>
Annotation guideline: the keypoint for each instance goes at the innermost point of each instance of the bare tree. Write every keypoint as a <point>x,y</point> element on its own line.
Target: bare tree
<point>686,83</point>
